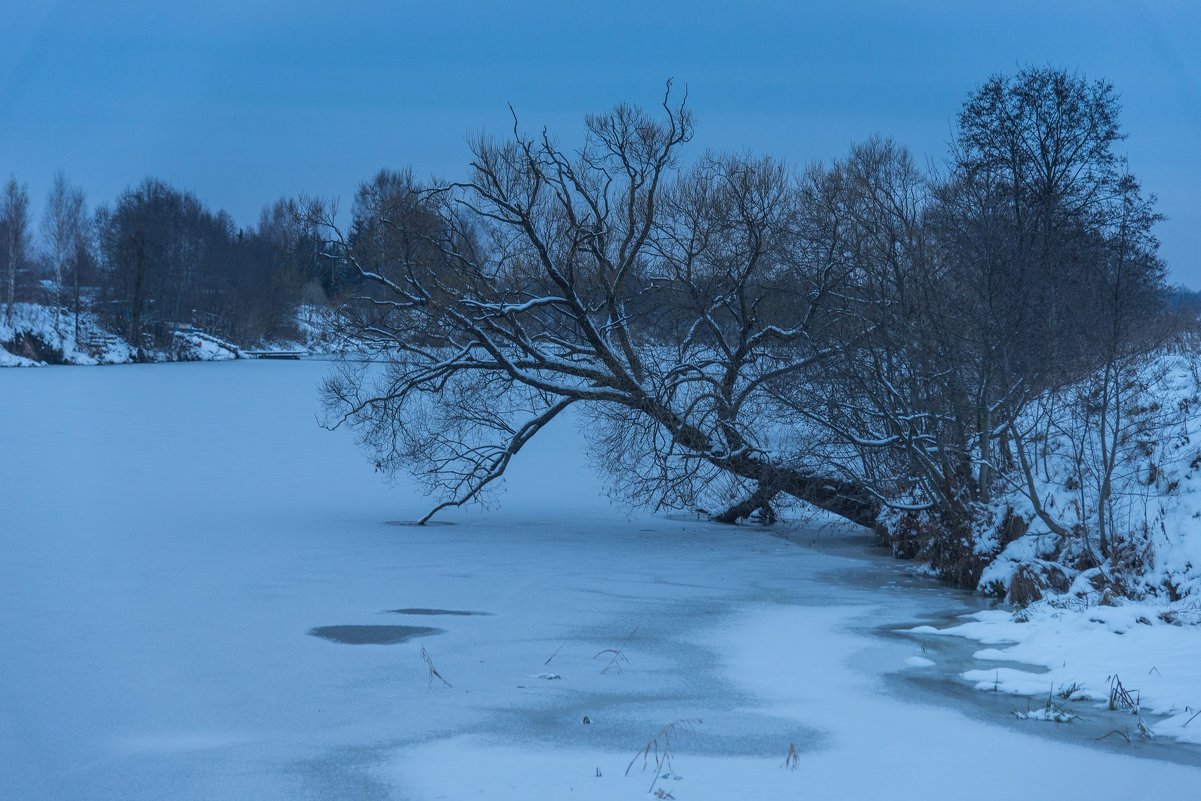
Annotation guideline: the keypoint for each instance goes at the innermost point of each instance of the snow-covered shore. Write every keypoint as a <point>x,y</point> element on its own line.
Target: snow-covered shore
<point>1123,658</point>
<point>37,335</point>
<point>33,331</point>
<point>172,535</point>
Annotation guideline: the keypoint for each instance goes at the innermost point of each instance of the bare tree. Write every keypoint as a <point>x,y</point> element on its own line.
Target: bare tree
<point>964,284</point>
<point>665,302</point>
<point>893,403</point>
<point>173,261</point>
<point>866,337</point>
<point>14,226</point>
<point>1082,283</point>
<point>64,225</point>
<point>1102,422</point>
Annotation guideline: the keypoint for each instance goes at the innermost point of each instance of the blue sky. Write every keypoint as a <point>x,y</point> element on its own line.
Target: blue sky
<point>243,102</point>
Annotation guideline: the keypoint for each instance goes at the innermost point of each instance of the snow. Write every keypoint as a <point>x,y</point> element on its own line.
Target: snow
<point>1155,509</point>
<point>13,360</point>
<point>806,682</point>
<point>1084,649</point>
<point>172,533</point>
<point>318,327</point>
<point>57,330</point>
<point>1087,640</point>
<point>196,346</point>
<point>1050,712</point>
<point>919,661</point>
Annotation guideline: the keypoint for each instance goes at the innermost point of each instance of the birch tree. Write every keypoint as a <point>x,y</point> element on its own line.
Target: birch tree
<point>64,224</point>
<point>14,227</point>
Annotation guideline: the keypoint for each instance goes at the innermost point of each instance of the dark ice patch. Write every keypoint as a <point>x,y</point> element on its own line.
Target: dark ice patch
<point>420,610</point>
<point>372,635</point>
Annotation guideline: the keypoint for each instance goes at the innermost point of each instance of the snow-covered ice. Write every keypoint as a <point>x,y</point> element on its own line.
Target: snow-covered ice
<point>170,536</point>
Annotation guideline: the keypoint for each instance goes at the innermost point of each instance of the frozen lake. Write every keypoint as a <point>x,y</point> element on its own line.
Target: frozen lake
<point>203,595</point>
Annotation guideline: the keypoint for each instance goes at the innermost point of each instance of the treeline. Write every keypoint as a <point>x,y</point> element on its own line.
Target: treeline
<point>156,259</point>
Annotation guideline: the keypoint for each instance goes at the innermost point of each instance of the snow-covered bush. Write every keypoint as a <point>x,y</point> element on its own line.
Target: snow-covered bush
<point>1107,487</point>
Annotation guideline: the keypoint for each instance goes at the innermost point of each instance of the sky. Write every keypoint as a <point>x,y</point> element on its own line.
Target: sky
<point>243,102</point>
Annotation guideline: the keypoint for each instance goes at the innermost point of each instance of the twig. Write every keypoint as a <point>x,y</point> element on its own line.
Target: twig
<point>556,653</point>
<point>433,671</point>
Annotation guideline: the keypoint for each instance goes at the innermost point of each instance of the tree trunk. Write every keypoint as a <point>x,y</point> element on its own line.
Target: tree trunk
<point>136,300</point>
<point>847,499</point>
<point>759,500</point>
<point>11,289</point>
<point>76,304</point>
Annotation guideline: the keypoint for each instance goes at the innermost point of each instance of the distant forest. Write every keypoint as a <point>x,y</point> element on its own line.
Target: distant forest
<point>158,257</point>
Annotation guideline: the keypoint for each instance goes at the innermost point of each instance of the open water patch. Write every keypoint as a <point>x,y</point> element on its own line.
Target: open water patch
<point>372,635</point>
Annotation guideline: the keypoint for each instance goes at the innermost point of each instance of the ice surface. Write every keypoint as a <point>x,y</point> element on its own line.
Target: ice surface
<point>170,534</point>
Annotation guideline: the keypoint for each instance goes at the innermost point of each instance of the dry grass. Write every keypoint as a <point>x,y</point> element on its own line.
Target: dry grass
<point>1122,699</point>
<point>1119,696</point>
<point>792,759</point>
<point>659,750</point>
<point>617,657</point>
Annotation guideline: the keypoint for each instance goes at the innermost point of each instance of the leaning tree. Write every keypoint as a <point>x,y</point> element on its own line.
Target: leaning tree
<point>669,303</point>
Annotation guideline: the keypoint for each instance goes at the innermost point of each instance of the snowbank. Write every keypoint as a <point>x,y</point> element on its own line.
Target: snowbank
<point>1150,548</point>
<point>1123,657</point>
<point>35,335</point>
<point>38,335</point>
